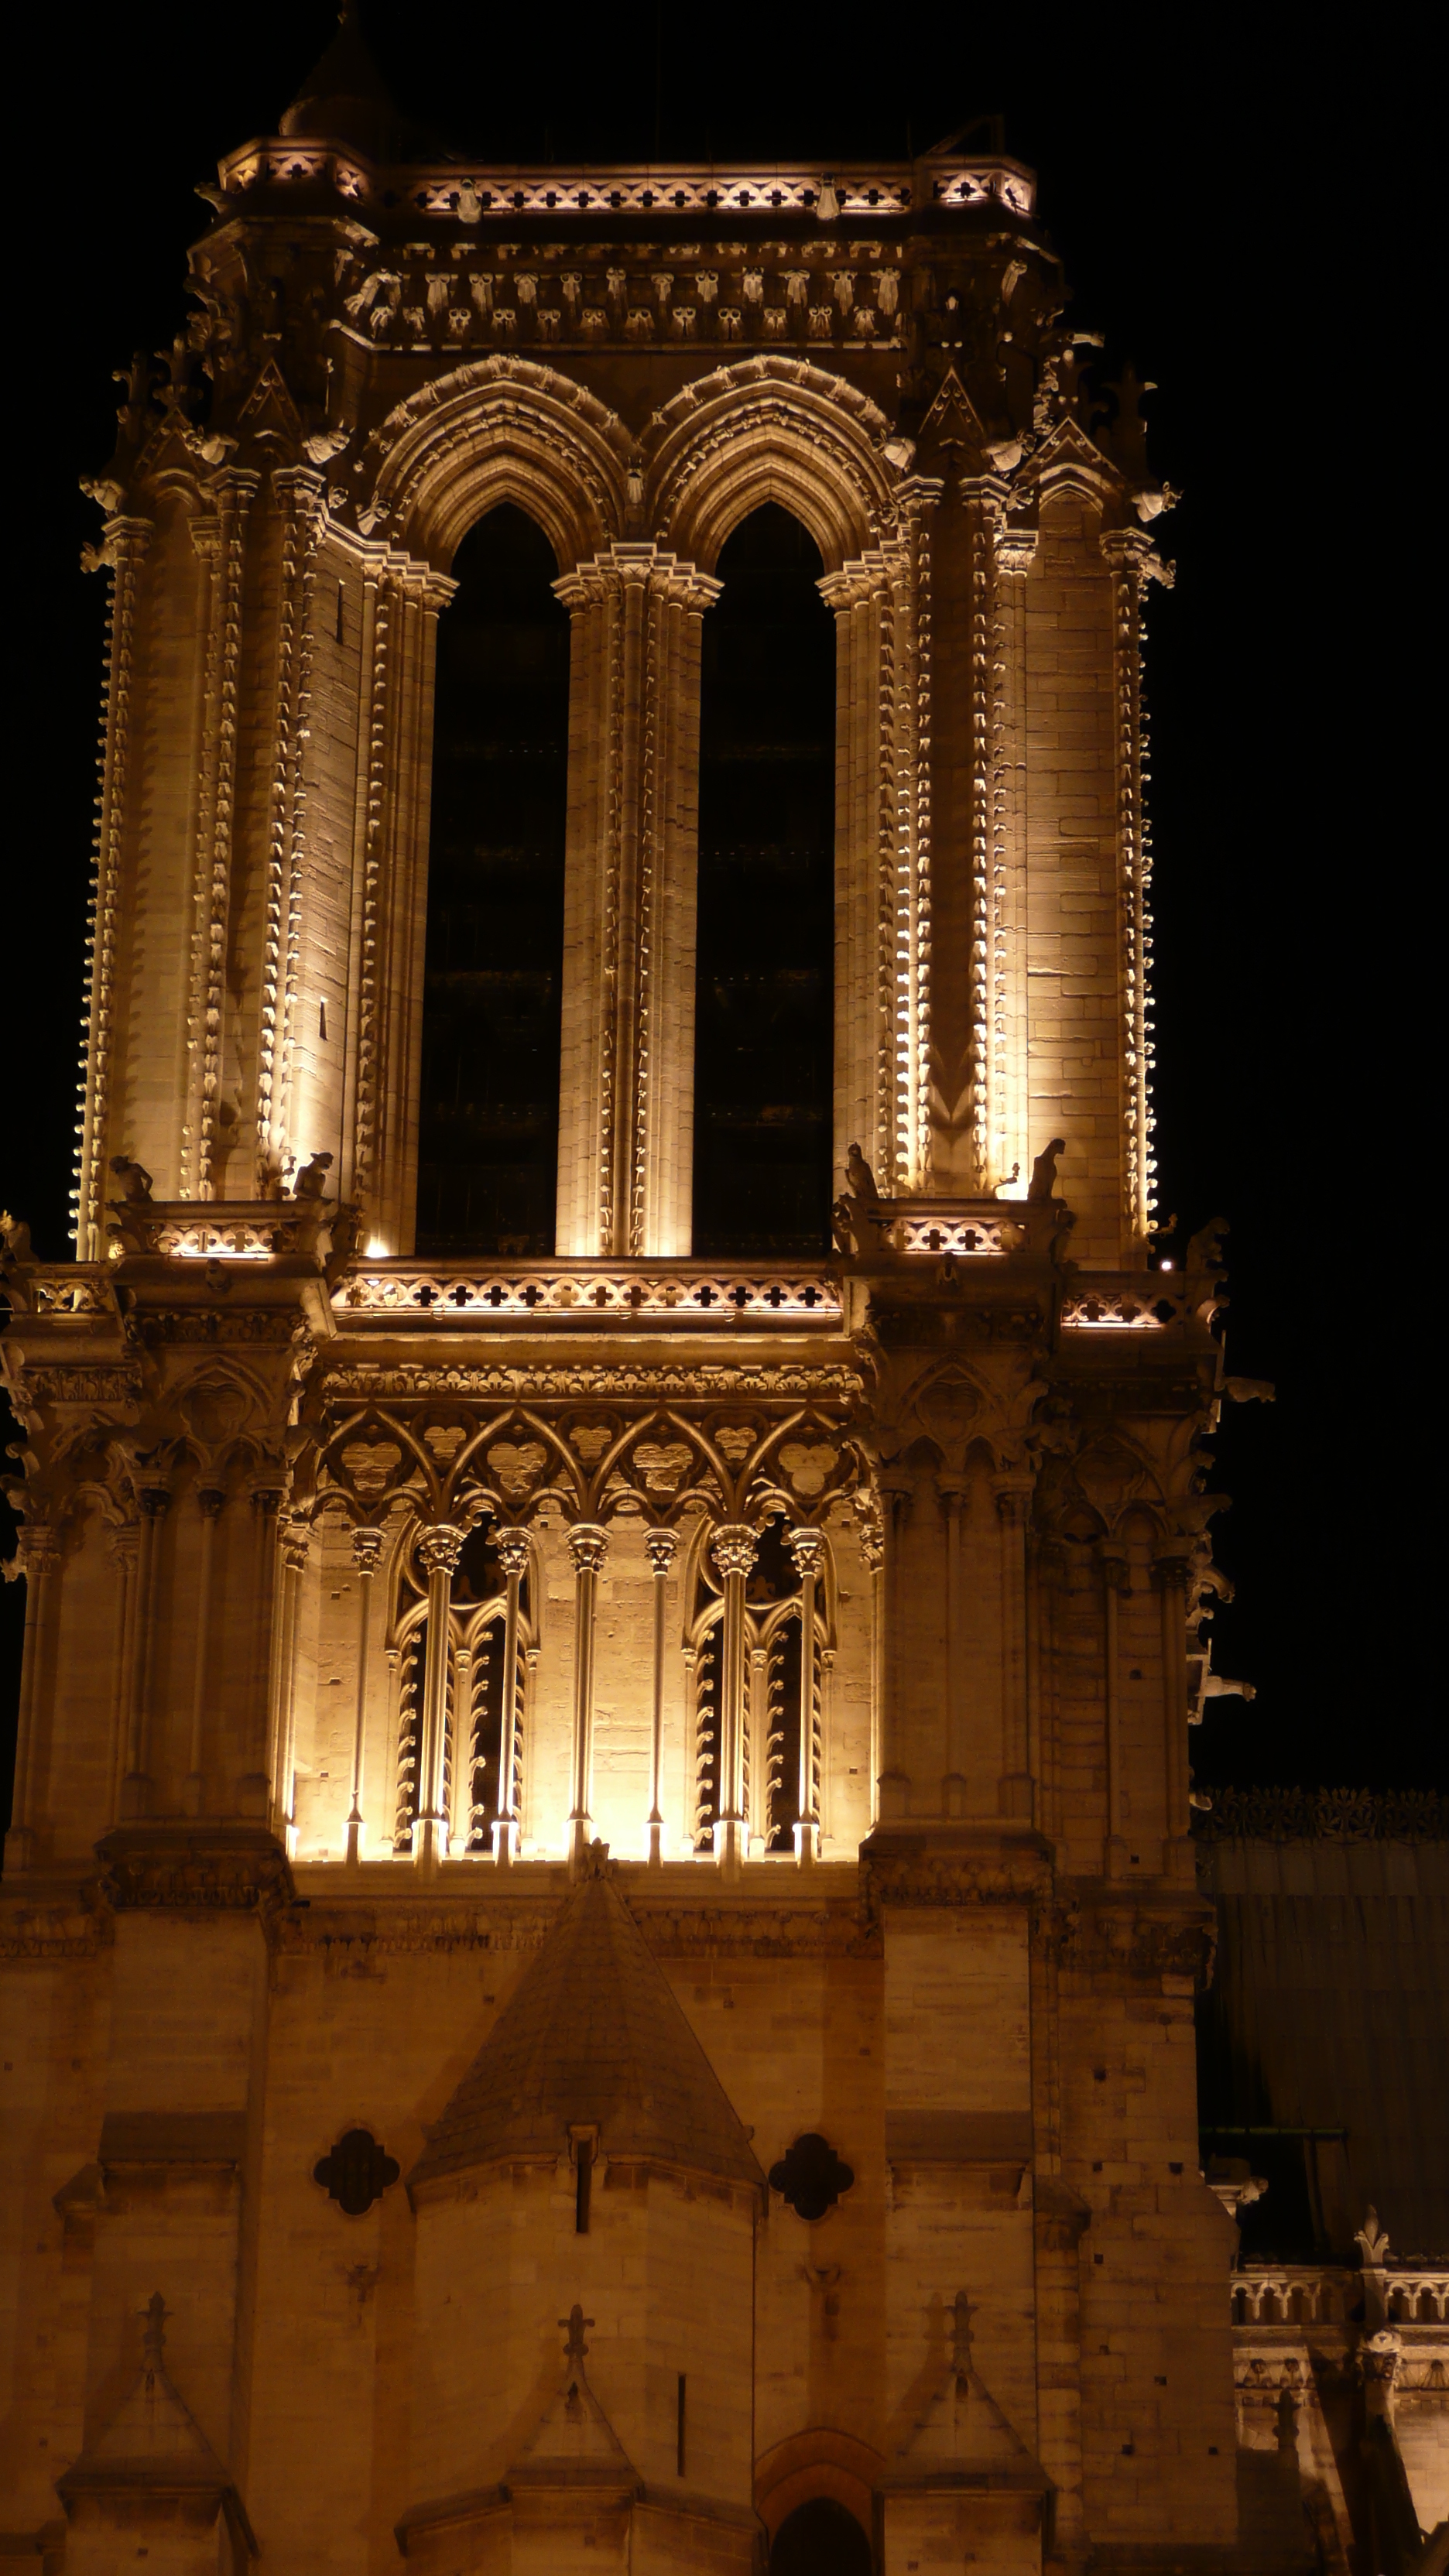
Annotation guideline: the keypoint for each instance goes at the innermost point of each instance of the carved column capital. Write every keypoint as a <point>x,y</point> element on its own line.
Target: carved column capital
<point>440,1547</point>
<point>1013,1493</point>
<point>807,1551</point>
<point>512,1546</point>
<point>210,1502</point>
<point>366,1550</point>
<point>661,1547</point>
<point>1115,1564</point>
<point>1172,1563</point>
<point>734,1548</point>
<point>37,1545</point>
<point>588,1547</point>
<point>1015,549</point>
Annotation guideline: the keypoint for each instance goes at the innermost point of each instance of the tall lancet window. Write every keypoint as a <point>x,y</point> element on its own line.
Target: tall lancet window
<point>488,1129</point>
<point>762,1083</point>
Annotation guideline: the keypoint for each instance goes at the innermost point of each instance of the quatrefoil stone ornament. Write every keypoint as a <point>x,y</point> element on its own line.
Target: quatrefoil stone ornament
<point>810,2176</point>
<point>356,2172</point>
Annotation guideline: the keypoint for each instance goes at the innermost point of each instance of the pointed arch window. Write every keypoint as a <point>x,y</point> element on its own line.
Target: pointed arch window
<point>489,1100</point>
<point>764,978</point>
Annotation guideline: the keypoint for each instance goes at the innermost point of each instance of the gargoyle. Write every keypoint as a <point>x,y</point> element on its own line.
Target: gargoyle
<point>135,1180</point>
<point>311,1180</point>
<point>1044,1171</point>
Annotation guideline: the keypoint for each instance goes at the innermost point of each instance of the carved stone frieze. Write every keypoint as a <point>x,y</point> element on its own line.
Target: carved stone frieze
<point>195,1869</point>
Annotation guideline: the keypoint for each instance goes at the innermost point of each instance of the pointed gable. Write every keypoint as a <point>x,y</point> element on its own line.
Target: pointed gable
<point>592,2036</point>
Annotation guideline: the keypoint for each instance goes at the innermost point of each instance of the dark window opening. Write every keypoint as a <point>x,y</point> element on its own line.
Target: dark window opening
<point>488,1125</point>
<point>821,2538</point>
<point>764,989</point>
<point>679,2431</point>
<point>583,2183</point>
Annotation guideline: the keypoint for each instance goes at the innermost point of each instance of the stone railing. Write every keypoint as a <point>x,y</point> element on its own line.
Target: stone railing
<point>1146,1303</point>
<point>1289,2297</point>
<point>584,1290</point>
<point>59,1289</point>
<point>1293,2294</point>
<point>472,194</point>
<point>1325,1815</point>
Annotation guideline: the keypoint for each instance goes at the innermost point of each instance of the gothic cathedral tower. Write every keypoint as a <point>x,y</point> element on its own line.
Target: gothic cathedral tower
<point>600,1925</point>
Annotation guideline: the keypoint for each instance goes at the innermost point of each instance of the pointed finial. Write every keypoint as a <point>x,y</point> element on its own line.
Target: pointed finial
<point>596,1860</point>
<point>1372,2238</point>
<point>573,2325</point>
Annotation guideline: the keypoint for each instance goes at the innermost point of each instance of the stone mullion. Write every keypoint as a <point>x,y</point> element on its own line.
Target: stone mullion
<point>986,918</point>
<point>123,547</point>
<point>588,1548</point>
<point>1011,1142</point>
<point>298,491</point>
<point>420,595</point>
<point>235,492</point>
<point>864,1065</point>
<point>439,1548</point>
<point>911,563</point>
<point>39,1555</point>
<point>374,765</point>
<point>624,991</point>
<point>592,602</point>
<point>734,1549</point>
<point>884,926</point>
<point>1129,553</point>
<point>653,788</point>
<point>664,1156</point>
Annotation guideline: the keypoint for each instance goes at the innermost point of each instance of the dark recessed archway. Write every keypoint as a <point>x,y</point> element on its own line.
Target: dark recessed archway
<point>821,2538</point>
<point>488,1125</point>
<point>764,989</point>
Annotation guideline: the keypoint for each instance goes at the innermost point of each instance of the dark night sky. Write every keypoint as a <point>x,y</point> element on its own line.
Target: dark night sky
<point>1230,203</point>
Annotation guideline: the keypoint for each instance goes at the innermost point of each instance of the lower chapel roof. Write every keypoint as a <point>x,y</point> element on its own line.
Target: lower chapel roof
<point>592,2037</point>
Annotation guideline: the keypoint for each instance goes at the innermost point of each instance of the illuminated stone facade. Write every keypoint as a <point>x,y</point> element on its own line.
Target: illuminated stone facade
<point>829,2148</point>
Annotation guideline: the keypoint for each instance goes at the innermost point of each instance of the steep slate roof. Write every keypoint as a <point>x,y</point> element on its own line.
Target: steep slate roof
<point>592,2033</point>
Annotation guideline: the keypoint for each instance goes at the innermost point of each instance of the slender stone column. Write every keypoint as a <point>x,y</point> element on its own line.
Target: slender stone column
<point>734,1551</point>
<point>366,1550</point>
<point>1114,1584</point>
<point>125,1547</point>
<point>1013,1500</point>
<point>865,866</point>
<point>136,1788</point>
<point>663,1546</point>
<point>1009,1137</point>
<point>121,551</point>
<point>38,1547</point>
<point>513,1557</point>
<point>1172,1573</point>
<point>588,1548</point>
<point>954,1492</point>
<point>756,1740</point>
<point>210,1503</point>
<point>293,1539</point>
<point>807,1554</point>
<point>439,1549</point>
<point>460,1784</point>
<point>893,1785</point>
<point>255,1787</point>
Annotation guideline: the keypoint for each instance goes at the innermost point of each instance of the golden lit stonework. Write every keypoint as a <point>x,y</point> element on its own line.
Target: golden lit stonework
<point>615,1500</point>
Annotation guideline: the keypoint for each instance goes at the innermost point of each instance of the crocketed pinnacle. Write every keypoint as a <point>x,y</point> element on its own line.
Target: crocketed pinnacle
<point>592,2036</point>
